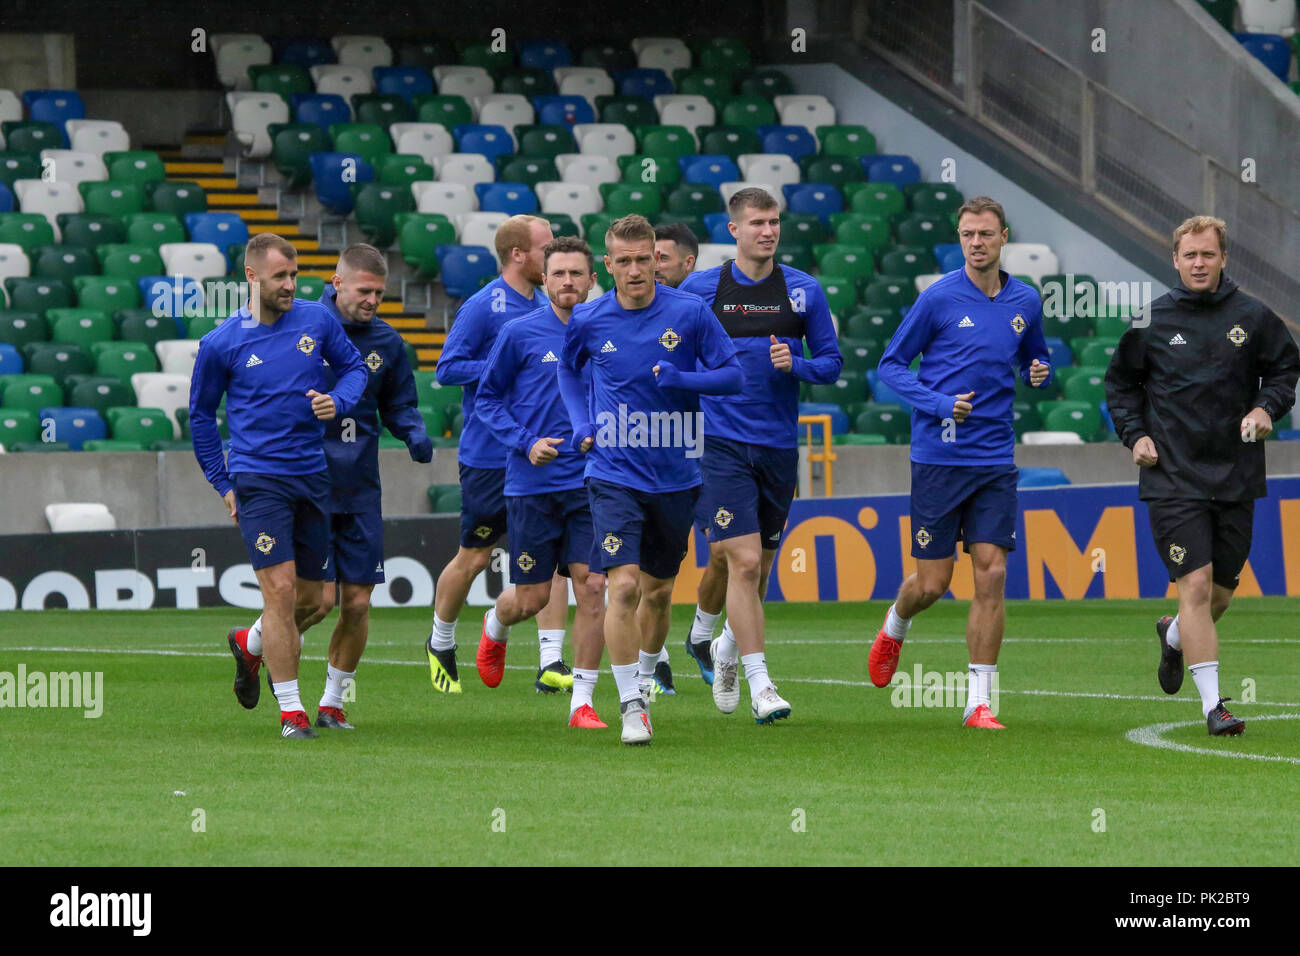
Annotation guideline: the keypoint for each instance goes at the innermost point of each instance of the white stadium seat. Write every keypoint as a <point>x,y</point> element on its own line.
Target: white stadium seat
<point>217,40</point>
<point>1051,438</point>
<point>1268,16</point>
<point>251,114</point>
<point>236,56</point>
<point>679,109</point>
<point>466,81</point>
<point>339,41</point>
<point>446,198</point>
<point>13,262</point>
<point>479,228</point>
<point>586,81</point>
<point>176,356</point>
<point>661,53</point>
<point>776,168</point>
<point>48,199</point>
<point>714,254</point>
<point>365,53</point>
<point>97,136</point>
<point>607,139</point>
<point>468,168</point>
<point>924,282</point>
<point>70,166</point>
<point>729,189</point>
<point>1029,259</point>
<point>11,108</point>
<point>805,110</point>
<point>195,260</point>
<point>576,199</point>
<point>426,140</point>
<point>346,81</point>
<point>80,516</point>
<point>162,390</point>
<point>504,109</point>
<point>592,168</point>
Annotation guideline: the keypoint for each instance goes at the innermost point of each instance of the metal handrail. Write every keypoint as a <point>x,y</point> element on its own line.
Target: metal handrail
<point>826,455</point>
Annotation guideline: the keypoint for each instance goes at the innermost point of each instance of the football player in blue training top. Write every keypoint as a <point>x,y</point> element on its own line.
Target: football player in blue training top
<point>751,451</point>
<point>352,450</point>
<point>269,360</point>
<point>641,426</point>
<point>546,496</point>
<point>482,459</point>
<point>973,329</point>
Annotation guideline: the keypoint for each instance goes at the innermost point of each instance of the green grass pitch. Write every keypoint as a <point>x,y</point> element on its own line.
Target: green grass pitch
<point>175,773</point>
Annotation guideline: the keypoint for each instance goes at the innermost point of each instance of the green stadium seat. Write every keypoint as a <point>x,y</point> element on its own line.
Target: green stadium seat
<point>875,199</point>
<point>28,294</point>
<point>530,170</point>
<point>27,229</point>
<point>868,322</point>
<point>98,392</point>
<point>402,169</point>
<point>109,293</point>
<point>631,111</point>
<point>291,146</point>
<point>925,230</point>
<point>429,394</point>
<point>766,83</point>
<point>129,260</point>
<point>715,85</point>
<point>121,360</point>
<point>178,198</point>
<point>889,292</point>
<point>183,420</point>
<point>840,292</point>
<point>444,499</point>
<point>623,199</point>
<point>1082,418</point>
<point>851,261</point>
<point>909,261</point>
<point>172,444</point>
<point>419,235</point>
<point>90,231</point>
<point>112,445</point>
<point>527,83</point>
<point>860,355</point>
<point>63,262</point>
<point>449,110</point>
<point>30,137</point>
<point>643,169</point>
<point>29,392</point>
<point>1025,417</point>
<point>692,200</point>
<point>849,140</point>
<point>849,388</point>
<point>153,229</point>
<point>562,224</point>
<point>367,140</point>
<point>376,206</point>
<point>382,109</point>
<point>310,288</point>
<point>671,141</point>
<point>80,326</point>
<point>57,359</point>
<point>135,166</point>
<point>15,166</point>
<point>18,425</point>
<point>935,199</point>
<point>836,170</point>
<point>731,58</point>
<point>796,255</point>
<point>891,421</point>
<point>751,111</point>
<point>804,227</point>
<point>549,141</point>
<point>729,141</point>
<point>20,328</point>
<point>200,325</point>
<point>594,227</point>
<point>1083,383</point>
<point>1097,353</point>
<point>111,198</point>
<point>41,446</point>
<point>861,231</point>
<point>144,425</point>
<point>485,55</point>
<point>285,79</point>
<point>694,223</point>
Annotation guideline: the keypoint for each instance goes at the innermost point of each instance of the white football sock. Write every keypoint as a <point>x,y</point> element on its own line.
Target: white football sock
<point>703,625</point>
<point>584,687</point>
<point>255,638</point>
<point>646,664</point>
<point>726,648</point>
<point>756,673</point>
<point>978,684</point>
<point>629,688</point>
<point>1206,675</point>
<point>663,655</point>
<point>895,626</point>
<point>1171,635</point>
<point>552,646</point>
<point>443,636</point>
<point>287,696</point>
<point>495,629</point>
<point>334,686</point>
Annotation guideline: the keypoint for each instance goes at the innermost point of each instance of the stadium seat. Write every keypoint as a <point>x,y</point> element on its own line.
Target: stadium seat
<point>141,325</point>
<point>18,425</point>
<point>849,261</point>
<point>54,106</point>
<point>169,295</point>
<point>1083,383</point>
<point>1041,478</point>
<point>899,170</point>
<point>176,356</point>
<point>852,140</point>
<point>751,111</point>
<point>443,110</point>
<point>1268,16</point>
<point>1030,258</point>
<point>1082,418</point>
<point>887,419</point>
<point>889,293</point>
<point>545,55</point>
<point>51,198</point>
<point>30,137</point>
<point>776,168</point>
<point>909,261</point>
<point>280,79</point>
<point>490,141</point>
<point>576,199</point>
<point>168,391</point>
<point>31,294</point>
<point>642,169</point>
<point>471,169</point>
<point>252,114</point>
<point>688,200</point>
<point>112,445</point>
<point>71,166</point>
<point>479,228</point>
<point>733,141</point>
<point>407,82</point>
<point>642,82</point>
<point>335,79</point>
<point>30,391</point>
<point>714,85</point>
<point>62,262</point>
<point>723,55</point>
<point>486,55</point>
<point>73,426</point>
<point>20,328</point>
<point>1270,49</point>
<point>13,262</point>
<point>590,168</point>
<point>923,229</point>
<point>816,198</point>
<point>855,229</point>
<point>135,166</point>
<point>464,268</point>
<point>78,326</point>
<point>418,237</point>
<point>426,140</point>
<point>11,360</point>
<point>292,145</point>
<point>320,109</point>
<point>504,109</point>
<point>402,169</point>
<point>144,425</point>
<point>681,109</point>
<point>376,205</point>
<point>199,260</point>
<point>306,53</point>
<point>369,140</point>
<point>57,360</point>
<point>78,516</point>
<point>448,199</point>
<point>365,52</point>
<point>129,260</point>
<point>463,80</point>
<point>768,84</point>
<point>121,360</point>
<point>589,83</point>
<point>15,166</point>
<point>807,110</point>
<point>332,184</point>
<point>661,53</point>
<point>835,170</point>
<point>631,111</point>
<point>509,198</point>
<point>27,231</point>
<point>712,170</point>
<point>604,139</point>
<point>794,141</point>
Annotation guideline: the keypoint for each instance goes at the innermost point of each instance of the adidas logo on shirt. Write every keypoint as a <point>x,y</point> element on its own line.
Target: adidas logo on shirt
<point>252,360</point>
<point>966,323</point>
<point>609,346</point>
<point>549,356</point>
<point>1178,339</point>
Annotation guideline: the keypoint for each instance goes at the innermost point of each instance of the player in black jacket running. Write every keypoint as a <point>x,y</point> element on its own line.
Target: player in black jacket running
<point>1194,394</point>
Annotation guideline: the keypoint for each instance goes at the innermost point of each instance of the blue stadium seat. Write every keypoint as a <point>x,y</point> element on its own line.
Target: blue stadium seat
<point>820,199</point>
<point>795,141</point>
<point>222,229</point>
<point>511,198</point>
<point>73,425</point>
<point>1062,357</point>
<point>555,110</point>
<point>1289,434</point>
<point>332,189</point>
<point>1041,478</point>
<point>545,55</point>
<point>6,199</point>
<point>405,81</point>
<point>709,169</point>
<point>1105,417</point>
<point>882,393</point>
<point>306,53</point>
<point>464,267</point>
<point>323,109</point>
<point>647,83</point>
<point>891,168</point>
<point>54,106</point>
<point>167,295</point>
<point>1269,48</point>
<point>717,223</point>
<point>491,141</point>
<point>839,419</point>
<point>949,257</point>
<point>11,362</point>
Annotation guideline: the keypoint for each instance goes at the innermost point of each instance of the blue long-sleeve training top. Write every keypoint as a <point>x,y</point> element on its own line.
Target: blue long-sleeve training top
<point>791,306</point>
<point>648,431</point>
<point>519,403</point>
<point>472,335</point>
<point>968,343</point>
<point>265,372</point>
<point>352,451</point>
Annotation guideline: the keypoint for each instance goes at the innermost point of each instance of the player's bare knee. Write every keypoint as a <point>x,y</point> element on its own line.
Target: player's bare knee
<point>745,566</point>
<point>475,560</point>
<point>1195,589</point>
<point>991,581</point>
<point>625,593</point>
<point>532,599</point>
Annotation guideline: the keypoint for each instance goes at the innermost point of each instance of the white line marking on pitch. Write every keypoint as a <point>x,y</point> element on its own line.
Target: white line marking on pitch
<point>150,652</point>
<point>1153,736</point>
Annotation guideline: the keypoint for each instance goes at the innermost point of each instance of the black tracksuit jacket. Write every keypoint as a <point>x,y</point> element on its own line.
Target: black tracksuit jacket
<point>1188,378</point>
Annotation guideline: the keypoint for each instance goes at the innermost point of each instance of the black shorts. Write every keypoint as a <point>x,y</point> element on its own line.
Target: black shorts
<point>747,489</point>
<point>1192,532</point>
